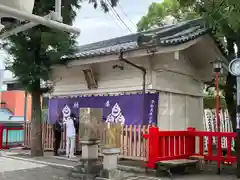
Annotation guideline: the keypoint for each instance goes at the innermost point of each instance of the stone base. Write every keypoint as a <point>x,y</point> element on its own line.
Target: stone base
<point>114,174</point>
<point>88,169</point>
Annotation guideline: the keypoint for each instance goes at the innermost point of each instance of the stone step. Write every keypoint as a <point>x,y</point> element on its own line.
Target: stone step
<point>176,166</point>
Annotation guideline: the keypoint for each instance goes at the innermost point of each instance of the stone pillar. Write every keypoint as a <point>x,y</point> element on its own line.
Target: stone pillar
<point>110,158</point>
<point>90,165</point>
<point>110,170</point>
<point>90,149</point>
<point>110,153</point>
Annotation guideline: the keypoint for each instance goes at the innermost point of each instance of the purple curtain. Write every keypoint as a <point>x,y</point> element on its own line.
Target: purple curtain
<point>126,109</point>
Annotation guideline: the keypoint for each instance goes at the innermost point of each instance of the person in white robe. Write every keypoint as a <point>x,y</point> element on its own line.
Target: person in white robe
<point>70,136</point>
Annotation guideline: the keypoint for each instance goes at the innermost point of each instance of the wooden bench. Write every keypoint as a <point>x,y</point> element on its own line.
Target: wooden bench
<point>175,166</point>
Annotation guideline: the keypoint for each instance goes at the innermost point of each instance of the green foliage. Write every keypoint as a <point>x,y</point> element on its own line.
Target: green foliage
<point>221,15</point>
<point>36,50</point>
<point>209,102</point>
<point>157,12</point>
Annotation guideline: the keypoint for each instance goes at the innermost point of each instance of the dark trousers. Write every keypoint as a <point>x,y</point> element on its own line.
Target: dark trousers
<point>57,141</point>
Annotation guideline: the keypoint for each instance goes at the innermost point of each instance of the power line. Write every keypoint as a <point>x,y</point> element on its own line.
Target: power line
<point>134,25</point>
<point>116,21</point>
<point>117,15</point>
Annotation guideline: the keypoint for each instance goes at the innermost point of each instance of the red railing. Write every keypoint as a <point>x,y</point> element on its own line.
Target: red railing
<point>209,154</point>
<point>170,145</point>
<point>5,144</point>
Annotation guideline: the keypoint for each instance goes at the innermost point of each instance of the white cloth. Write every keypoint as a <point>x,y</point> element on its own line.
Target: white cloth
<point>70,146</point>
<point>70,129</point>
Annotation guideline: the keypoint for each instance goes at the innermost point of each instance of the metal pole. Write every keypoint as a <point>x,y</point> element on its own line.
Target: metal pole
<point>218,118</point>
<point>58,5</point>
<point>21,28</point>
<point>143,94</point>
<point>234,69</point>
<point>217,101</point>
<point>238,105</point>
<point>25,105</point>
<point>238,126</point>
<point>37,19</point>
<point>144,71</point>
<point>58,9</point>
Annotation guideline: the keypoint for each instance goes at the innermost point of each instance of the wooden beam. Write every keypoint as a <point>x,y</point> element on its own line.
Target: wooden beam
<point>90,78</point>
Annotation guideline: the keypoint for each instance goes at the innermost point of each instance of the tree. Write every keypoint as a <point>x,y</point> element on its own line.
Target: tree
<point>34,52</point>
<point>160,14</point>
<point>222,16</point>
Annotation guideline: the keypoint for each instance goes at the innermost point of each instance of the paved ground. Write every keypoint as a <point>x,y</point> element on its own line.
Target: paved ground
<point>22,167</point>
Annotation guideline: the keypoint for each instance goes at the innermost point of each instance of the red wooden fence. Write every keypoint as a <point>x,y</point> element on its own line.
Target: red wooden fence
<point>4,143</point>
<point>170,145</point>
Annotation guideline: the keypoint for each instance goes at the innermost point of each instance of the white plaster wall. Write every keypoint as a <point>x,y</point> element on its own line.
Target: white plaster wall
<point>163,73</point>
<point>180,97</point>
<point>176,75</point>
<point>71,80</point>
<point>178,111</point>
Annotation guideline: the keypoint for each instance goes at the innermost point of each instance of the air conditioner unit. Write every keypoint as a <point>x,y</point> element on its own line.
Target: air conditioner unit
<point>21,5</point>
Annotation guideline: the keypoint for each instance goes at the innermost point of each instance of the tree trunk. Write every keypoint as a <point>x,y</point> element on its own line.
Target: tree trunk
<point>36,130</point>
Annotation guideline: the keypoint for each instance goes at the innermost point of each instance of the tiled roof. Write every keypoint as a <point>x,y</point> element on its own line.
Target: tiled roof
<point>17,118</point>
<point>5,114</point>
<point>164,36</point>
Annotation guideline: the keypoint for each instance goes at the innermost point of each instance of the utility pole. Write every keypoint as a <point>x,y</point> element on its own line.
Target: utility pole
<point>25,106</point>
<point>234,69</point>
<point>52,20</point>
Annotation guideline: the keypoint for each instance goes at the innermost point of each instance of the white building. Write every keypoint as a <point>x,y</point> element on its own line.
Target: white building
<point>177,62</point>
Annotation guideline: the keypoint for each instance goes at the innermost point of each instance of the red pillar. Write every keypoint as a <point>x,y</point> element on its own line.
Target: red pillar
<point>153,147</point>
<point>191,141</point>
<point>1,136</point>
<point>217,102</point>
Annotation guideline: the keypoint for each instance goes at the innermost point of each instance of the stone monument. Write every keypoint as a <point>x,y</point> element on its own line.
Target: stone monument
<point>110,151</point>
<point>90,165</point>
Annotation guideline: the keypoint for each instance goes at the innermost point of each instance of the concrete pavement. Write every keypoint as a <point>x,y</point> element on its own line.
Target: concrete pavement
<point>12,169</point>
<point>7,164</point>
<point>22,167</point>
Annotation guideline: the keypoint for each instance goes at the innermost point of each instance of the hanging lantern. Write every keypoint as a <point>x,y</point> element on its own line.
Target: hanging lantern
<point>21,5</point>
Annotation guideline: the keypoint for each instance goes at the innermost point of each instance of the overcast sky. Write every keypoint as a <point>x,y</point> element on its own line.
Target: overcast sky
<point>96,25</point>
